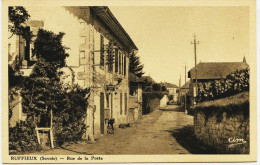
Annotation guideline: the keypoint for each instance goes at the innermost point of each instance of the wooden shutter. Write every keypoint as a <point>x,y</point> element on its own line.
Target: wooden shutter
<point>124,65</point>
<point>120,62</point>
<point>121,103</point>
<point>116,60</point>
<point>101,51</point>
<point>125,103</point>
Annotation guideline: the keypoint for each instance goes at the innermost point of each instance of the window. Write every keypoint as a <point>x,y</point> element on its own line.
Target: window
<point>120,62</point>
<point>121,103</point>
<point>101,51</point>
<point>107,97</point>
<point>124,65</point>
<point>116,60</point>
<point>110,58</point>
<point>125,103</point>
<point>25,50</point>
<point>122,59</point>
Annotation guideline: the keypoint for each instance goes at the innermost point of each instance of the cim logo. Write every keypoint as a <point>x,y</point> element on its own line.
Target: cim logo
<point>234,142</point>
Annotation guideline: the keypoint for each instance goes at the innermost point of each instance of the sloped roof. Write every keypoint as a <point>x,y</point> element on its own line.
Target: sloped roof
<point>169,85</point>
<point>104,13</point>
<point>134,78</point>
<point>215,70</point>
<point>148,79</point>
<point>109,20</point>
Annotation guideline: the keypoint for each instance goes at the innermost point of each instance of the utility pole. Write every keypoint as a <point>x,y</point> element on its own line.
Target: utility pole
<point>195,43</point>
<point>185,104</point>
<point>180,91</point>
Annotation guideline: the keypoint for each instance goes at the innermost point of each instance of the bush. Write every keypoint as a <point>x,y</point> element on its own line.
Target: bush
<point>42,92</point>
<point>23,137</point>
<point>233,83</point>
<point>68,121</point>
<point>232,105</point>
<point>146,107</point>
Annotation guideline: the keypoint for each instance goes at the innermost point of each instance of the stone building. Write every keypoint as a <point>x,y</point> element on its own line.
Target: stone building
<point>88,30</point>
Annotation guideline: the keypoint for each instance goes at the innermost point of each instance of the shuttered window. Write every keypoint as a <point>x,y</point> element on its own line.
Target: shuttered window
<point>116,60</point>
<point>101,51</point>
<point>124,65</point>
<point>125,103</point>
<point>120,62</point>
<point>121,103</point>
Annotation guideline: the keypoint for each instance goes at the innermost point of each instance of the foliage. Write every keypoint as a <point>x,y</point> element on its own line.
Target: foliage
<point>48,46</point>
<point>69,125</point>
<point>231,105</point>
<point>149,97</point>
<point>164,88</point>
<point>44,92</point>
<point>17,22</point>
<point>156,87</point>
<point>41,91</point>
<point>233,83</point>
<point>17,18</point>
<point>135,65</point>
<point>22,137</point>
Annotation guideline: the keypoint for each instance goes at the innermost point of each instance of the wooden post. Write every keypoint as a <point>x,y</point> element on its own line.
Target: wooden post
<point>51,133</point>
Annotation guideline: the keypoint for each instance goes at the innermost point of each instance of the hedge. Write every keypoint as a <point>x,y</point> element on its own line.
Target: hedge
<point>233,83</point>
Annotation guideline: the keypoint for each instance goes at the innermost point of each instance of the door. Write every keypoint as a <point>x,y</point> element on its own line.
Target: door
<point>111,105</point>
<point>102,114</point>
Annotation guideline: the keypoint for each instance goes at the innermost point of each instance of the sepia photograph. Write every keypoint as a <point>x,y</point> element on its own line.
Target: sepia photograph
<point>94,83</point>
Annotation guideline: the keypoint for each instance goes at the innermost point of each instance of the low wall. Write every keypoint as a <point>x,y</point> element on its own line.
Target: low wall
<point>224,129</point>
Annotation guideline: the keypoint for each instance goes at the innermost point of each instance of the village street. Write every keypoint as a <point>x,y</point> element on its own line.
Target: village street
<point>167,131</point>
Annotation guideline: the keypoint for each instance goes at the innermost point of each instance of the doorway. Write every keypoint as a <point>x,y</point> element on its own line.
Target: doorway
<point>102,114</point>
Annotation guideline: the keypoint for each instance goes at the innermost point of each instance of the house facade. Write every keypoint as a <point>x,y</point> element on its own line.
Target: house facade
<point>172,90</point>
<point>209,72</point>
<point>88,32</point>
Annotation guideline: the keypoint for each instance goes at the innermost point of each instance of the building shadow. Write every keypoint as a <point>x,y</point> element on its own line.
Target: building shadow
<point>186,138</point>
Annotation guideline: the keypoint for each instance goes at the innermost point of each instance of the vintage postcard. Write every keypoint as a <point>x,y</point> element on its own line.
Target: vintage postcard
<point>128,81</point>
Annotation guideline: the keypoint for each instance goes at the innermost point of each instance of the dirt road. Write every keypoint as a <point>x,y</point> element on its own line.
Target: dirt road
<point>161,132</point>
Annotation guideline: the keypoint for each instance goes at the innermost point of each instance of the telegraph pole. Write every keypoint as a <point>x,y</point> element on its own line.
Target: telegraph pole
<point>180,91</point>
<point>185,104</point>
<point>195,43</point>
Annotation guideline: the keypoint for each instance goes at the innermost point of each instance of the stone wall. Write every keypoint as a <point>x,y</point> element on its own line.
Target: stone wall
<point>225,129</point>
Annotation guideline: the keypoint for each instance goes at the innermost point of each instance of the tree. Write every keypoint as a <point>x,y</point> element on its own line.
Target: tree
<point>17,17</point>
<point>42,91</point>
<point>135,65</point>
<point>164,88</point>
<point>156,87</point>
<point>17,22</point>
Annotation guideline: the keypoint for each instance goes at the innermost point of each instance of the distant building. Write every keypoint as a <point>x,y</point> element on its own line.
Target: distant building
<point>211,71</point>
<point>172,90</point>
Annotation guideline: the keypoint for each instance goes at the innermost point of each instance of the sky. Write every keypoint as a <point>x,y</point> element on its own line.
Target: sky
<point>163,36</point>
